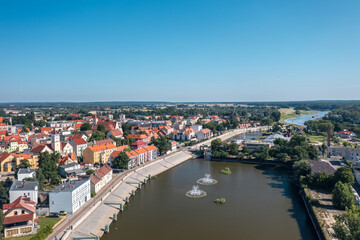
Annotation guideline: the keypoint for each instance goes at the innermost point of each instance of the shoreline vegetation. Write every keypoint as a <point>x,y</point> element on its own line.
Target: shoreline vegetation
<point>226,171</point>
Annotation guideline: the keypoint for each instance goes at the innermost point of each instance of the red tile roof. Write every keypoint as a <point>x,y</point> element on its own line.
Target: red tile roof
<point>18,218</point>
<point>205,130</point>
<point>79,141</point>
<point>138,143</point>
<point>4,156</point>
<point>20,202</point>
<point>116,132</point>
<point>105,141</point>
<point>39,148</point>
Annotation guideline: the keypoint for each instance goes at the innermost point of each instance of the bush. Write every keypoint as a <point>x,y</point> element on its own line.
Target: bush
<point>226,171</point>
<point>220,201</point>
<point>42,233</point>
<point>313,201</point>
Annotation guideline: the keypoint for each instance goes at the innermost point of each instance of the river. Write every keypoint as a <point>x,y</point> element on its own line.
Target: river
<point>260,204</point>
<point>306,117</point>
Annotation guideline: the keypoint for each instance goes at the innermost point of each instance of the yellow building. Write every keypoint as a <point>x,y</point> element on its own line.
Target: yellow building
<point>98,153</point>
<point>9,162</point>
<point>6,162</point>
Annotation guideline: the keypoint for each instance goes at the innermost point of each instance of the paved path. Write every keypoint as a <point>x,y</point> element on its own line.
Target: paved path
<point>92,216</point>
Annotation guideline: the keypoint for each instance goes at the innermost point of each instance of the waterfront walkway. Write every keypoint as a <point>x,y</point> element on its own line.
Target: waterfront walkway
<point>91,219</point>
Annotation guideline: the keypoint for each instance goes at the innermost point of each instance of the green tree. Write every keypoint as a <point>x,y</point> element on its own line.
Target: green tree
<point>275,115</point>
<point>323,148</point>
<point>245,150</point>
<point>301,168</point>
<point>233,149</point>
<point>24,163</point>
<point>101,128</point>
<point>1,224</point>
<point>4,194</point>
<point>347,226</point>
<point>161,143</point>
<point>97,136</point>
<point>342,196</point>
<point>121,161</point>
<point>48,166</point>
<point>89,171</point>
<point>262,153</point>
<point>345,175</point>
<point>85,127</point>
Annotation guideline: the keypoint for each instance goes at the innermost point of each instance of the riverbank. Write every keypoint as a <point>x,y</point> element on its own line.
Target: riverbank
<point>91,219</point>
<point>287,113</point>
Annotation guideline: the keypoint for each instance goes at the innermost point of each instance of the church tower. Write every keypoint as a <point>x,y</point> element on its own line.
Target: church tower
<point>55,143</point>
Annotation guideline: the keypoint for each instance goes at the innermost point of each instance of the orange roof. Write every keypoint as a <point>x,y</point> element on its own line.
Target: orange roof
<point>3,132</point>
<point>8,138</point>
<point>46,129</point>
<point>129,154</point>
<point>102,147</point>
<point>23,155</point>
<point>116,132</point>
<point>141,150</point>
<point>205,130</point>
<point>137,136</point>
<point>79,141</point>
<point>151,148</point>
<point>20,202</point>
<point>122,148</point>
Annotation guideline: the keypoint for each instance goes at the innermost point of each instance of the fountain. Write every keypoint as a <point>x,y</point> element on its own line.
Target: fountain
<point>207,180</point>
<point>195,192</point>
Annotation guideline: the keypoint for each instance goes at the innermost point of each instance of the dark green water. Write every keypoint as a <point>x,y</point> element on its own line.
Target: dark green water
<point>260,204</point>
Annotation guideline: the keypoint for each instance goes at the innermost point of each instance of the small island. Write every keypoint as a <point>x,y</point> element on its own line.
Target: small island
<point>220,201</point>
<point>226,171</point>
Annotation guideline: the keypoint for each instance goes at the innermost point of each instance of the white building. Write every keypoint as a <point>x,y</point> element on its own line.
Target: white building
<point>100,178</point>
<point>25,173</point>
<point>79,145</point>
<point>196,128</point>
<point>69,196</point>
<point>204,134</point>
<point>24,188</point>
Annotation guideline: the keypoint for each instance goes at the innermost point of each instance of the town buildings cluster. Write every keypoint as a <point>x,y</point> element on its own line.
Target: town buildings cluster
<point>78,152</point>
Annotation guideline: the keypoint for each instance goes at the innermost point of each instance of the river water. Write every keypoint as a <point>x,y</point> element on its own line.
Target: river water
<point>306,117</point>
<point>260,204</point>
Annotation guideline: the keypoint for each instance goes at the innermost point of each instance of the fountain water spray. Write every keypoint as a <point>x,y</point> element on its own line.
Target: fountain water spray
<point>195,192</point>
<point>207,180</point>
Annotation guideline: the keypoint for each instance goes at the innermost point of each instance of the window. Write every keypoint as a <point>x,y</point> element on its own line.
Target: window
<point>15,213</point>
<point>22,211</point>
<point>25,230</point>
<point>12,232</point>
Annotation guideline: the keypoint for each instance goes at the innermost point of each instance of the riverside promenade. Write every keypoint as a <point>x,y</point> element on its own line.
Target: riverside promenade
<point>90,220</point>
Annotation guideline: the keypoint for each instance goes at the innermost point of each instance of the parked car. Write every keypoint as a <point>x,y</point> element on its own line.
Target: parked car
<point>62,213</point>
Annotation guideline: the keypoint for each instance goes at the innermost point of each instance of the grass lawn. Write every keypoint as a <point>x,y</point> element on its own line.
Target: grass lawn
<point>261,138</point>
<point>43,222</point>
<point>314,138</point>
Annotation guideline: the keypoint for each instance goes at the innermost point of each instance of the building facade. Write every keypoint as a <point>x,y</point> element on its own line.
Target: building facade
<point>69,196</point>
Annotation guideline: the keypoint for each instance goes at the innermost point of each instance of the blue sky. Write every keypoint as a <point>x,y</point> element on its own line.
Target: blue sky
<point>179,50</point>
